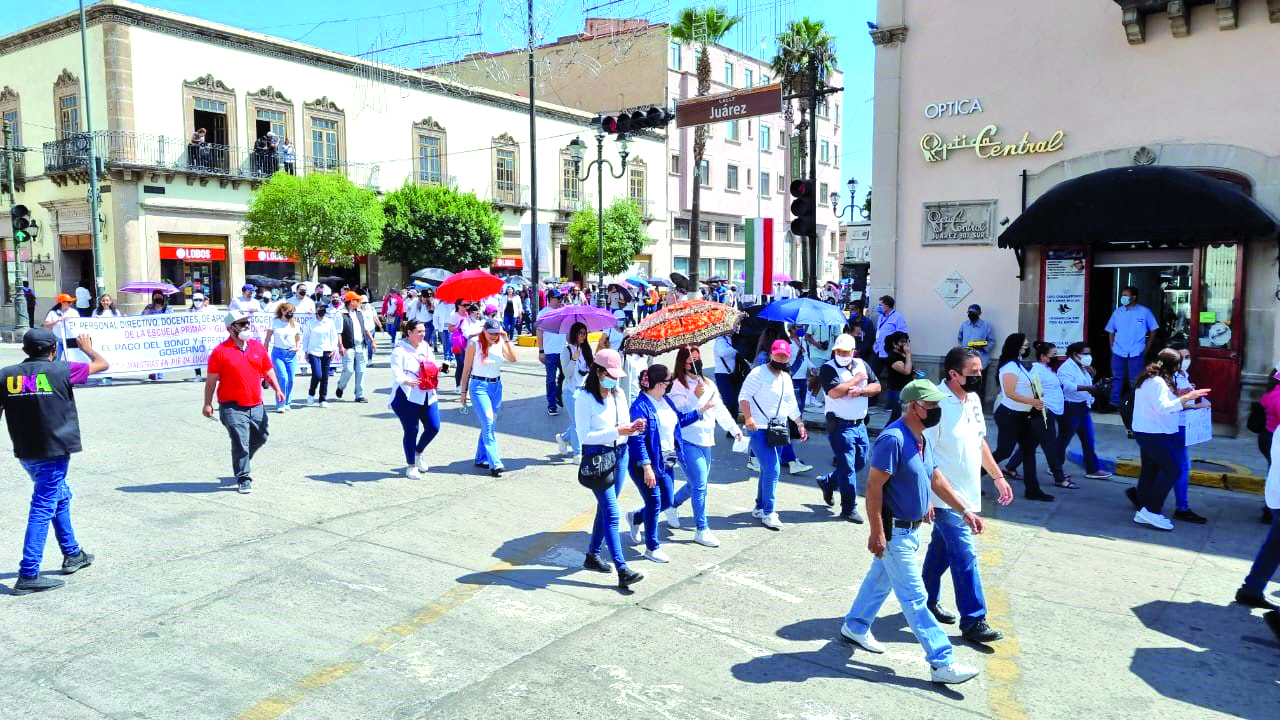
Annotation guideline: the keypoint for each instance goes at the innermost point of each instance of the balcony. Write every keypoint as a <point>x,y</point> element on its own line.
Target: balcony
<point>570,202</point>
<point>139,155</point>
<point>423,177</point>
<point>506,195</point>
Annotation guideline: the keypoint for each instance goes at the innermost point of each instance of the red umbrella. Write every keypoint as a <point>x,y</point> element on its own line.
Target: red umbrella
<point>469,286</point>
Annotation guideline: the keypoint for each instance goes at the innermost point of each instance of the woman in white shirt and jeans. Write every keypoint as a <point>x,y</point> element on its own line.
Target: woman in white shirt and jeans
<point>284,339</point>
<point>1156,409</point>
<point>767,395</point>
<point>1076,376</point>
<point>482,379</point>
<point>413,394</point>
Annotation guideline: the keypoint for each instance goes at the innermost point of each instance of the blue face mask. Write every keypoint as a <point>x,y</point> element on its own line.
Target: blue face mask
<point>608,383</point>
<point>1125,300</point>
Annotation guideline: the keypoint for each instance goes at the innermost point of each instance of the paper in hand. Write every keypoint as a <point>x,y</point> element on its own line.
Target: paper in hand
<point>741,444</point>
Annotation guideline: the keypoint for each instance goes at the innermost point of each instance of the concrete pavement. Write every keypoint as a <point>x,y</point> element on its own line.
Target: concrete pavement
<point>341,589</point>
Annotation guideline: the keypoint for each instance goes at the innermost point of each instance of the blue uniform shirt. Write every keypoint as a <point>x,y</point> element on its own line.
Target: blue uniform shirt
<point>1131,324</point>
<point>897,452</point>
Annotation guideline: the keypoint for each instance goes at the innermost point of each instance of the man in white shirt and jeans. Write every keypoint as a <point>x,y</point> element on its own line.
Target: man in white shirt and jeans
<point>846,383</point>
<point>960,449</point>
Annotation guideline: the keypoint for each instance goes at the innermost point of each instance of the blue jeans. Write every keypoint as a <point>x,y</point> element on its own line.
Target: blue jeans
<point>486,398</point>
<point>1076,420</point>
<point>1124,368</point>
<point>393,327</point>
<point>552,364</point>
<point>952,547</point>
<point>431,337</point>
<point>412,415</point>
<point>571,433</point>
<point>50,503</point>
<point>770,465</point>
<point>696,462</point>
<point>605,528</point>
<point>285,362</point>
<point>898,570</point>
<point>850,446</point>
<point>893,403</point>
<point>509,324</point>
<point>1181,487</point>
<point>1267,560</point>
<point>656,499</point>
<point>802,391</point>
<point>1164,456</point>
<point>354,362</point>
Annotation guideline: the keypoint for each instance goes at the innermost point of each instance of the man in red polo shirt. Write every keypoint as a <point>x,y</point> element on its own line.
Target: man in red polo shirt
<point>236,369</point>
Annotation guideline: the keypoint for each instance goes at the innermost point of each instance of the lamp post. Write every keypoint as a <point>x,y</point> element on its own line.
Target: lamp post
<point>851,208</point>
<point>578,150</point>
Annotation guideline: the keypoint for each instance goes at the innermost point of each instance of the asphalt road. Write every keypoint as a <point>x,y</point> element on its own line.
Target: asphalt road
<point>342,589</point>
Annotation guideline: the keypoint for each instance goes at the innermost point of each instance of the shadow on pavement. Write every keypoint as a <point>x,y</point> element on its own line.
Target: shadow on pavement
<point>225,484</point>
<point>351,478</point>
<point>544,559</point>
<point>836,659</point>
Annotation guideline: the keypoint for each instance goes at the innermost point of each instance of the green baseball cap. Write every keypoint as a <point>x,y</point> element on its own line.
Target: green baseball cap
<point>921,391</point>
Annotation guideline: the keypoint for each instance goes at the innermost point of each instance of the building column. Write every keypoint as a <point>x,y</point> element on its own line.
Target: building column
<point>125,239</point>
<point>886,150</point>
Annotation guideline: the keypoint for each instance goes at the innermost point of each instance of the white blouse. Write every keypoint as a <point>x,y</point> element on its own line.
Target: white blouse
<point>489,366</point>
<point>1022,387</point>
<point>597,423</point>
<point>1155,408</point>
<point>405,361</point>
<point>703,432</point>
<point>322,337</point>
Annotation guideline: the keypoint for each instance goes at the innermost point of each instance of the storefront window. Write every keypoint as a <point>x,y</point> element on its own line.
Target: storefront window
<point>681,265</point>
<point>722,267</point>
<point>1217,295</point>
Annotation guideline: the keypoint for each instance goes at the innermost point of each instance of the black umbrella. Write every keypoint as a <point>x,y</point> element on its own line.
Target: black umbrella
<point>713,280</point>
<point>432,275</point>
<point>681,281</point>
<point>660,282</point>
<point>623,291</point>
<point>334,281</point>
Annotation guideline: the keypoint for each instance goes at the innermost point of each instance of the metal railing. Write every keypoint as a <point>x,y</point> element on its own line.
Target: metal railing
<point>362,174</point>
<point>507,194</point>
<point>573,202</point>
<point>430,178</point>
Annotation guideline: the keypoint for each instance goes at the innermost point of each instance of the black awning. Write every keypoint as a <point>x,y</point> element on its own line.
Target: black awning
<point>1152,206</point>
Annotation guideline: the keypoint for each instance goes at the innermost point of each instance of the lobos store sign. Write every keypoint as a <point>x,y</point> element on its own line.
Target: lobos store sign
<point>254,255</point>
<point>192,254</point>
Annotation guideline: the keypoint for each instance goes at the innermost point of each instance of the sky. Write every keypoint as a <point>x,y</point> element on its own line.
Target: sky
<point>440,28</point>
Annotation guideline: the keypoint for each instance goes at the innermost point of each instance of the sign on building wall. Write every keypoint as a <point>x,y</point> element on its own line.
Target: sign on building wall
<point>1063,308</point>
<point>964,222</point>
<point>987,145</point>
<point>953,289</point>
<point>857,244</point>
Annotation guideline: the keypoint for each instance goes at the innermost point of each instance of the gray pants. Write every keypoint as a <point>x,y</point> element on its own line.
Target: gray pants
<point>247,427</point>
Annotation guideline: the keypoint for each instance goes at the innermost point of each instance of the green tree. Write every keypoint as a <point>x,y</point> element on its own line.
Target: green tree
<point>866,206</point>
<point>624,237</point>
<point>701,27</point>
<point>437,226</point>
<point>318,217</point>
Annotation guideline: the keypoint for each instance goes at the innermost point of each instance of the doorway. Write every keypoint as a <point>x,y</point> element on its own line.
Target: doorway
<point>212,116</point>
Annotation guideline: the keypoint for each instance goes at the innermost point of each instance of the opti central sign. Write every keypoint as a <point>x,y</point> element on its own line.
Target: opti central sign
<point>733,105</point>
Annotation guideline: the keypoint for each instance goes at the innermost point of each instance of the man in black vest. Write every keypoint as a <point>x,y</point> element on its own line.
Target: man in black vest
<point>356,335</point>
<point>44,427</point>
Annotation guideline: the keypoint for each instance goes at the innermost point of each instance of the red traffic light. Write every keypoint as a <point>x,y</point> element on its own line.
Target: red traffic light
<point>801,188</point>
<point>609,124</point>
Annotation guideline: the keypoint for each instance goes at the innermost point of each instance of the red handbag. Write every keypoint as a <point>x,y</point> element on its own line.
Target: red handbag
<point>428,375</point>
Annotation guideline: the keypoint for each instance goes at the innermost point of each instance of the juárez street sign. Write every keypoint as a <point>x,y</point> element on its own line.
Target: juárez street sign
<point>732,105</point>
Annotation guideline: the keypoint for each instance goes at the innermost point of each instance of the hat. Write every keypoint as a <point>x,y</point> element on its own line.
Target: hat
<point>975,309</point>
<point>490,308</point>
<point>39,341</point>
<point>350,296</point>
<point>610,361</point>
<point>492,325</point>
<point>63,297</point>
<point>234,316</point>
<point>554,294</point>
<point>844,342</point>
<point>247,286</point>
<point>921,391</point>
<point>364,298</point>
<point>197,296</point>
<point>780,347</point>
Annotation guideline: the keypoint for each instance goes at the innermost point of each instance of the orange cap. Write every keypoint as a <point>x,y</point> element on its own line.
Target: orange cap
<point>63,297</point>
<point>350,296</point>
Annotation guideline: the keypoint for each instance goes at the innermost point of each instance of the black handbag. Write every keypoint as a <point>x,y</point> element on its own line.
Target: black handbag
<point>777,433</point>
<point>600,462</point>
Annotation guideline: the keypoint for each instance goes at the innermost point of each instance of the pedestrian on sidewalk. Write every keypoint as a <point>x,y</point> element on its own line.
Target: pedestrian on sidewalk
<point>978,334</point>
<point>773,333</point>
<point>321,345</point>
<point>236,370</point>
<point>1076,374</point>
<point>847,382</point>
<point>1156,407</point>
<point>1253,591</point>
<point>767,400</point>
<point>902,475</point>
<point>689,391</point>
<point>284,337</point>
<point>889,322</point>
<point>599,410</point>
<point>414,377</point>
<point>1132,332</point>
<point>1181,489</point>
<point>356,333</point>
<point>1013,418</point>
<point>575,364</point>
<point>1045,425</point>
<point>960,448</point>
<point>549,346</point>
<point>40,410</point>
<point>482,379</point>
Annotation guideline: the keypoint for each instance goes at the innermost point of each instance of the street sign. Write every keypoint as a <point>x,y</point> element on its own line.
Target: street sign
<point>733,105</point>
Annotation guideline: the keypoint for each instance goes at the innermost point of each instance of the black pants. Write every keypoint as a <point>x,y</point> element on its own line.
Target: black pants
<point>319,374</point>
<point>1014,428</point>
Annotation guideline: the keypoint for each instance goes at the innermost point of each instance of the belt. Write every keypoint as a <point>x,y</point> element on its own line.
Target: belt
<point>906,524</point>
<point>486,379</point>
<point>837,418</point>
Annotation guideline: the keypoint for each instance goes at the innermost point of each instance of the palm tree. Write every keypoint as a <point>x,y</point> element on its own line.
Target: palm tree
<point>700,27</point>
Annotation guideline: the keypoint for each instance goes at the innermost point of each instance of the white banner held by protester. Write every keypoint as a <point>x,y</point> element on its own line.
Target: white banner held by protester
<point>1199,425</point>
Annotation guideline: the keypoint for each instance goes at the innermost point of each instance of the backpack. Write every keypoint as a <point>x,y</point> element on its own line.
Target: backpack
<point>457,340</point>
<point>1257,422</point>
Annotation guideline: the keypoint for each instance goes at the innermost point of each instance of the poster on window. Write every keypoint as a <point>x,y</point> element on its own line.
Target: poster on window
<point>1063,306</point>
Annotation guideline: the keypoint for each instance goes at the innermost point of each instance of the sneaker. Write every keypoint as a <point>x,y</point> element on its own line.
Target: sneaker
<point>1155,520</point>
<point>563,444</point>
<point>981,632</point>
<point>795,467</point>
<point>704,537</point>
<point>941,614</point>
<point>71,564</point>
<point>553,412</point>
<point>244,486</point>
<point>324,404</point>
<point>828,493</point>
<point>673,518</point>
<point>280,409</point>
<point>656,555</point>
<point>594,563</point>
<point>338,393</point>
<point>853,516</point>
<point>757,513</point>
<point>1098,475</point>
<point>412,472</point>
<point>628,577</point>
<point>1132,494</point>
<point>39,583</point>
<point>866,640</point>
<point>771,521</point>
<point>1190,516</point>
<point>311,399</point>
<point>753,464</point>
<point>1250,598</point>
<point>362,400</point>
<point>954,674</point>
<point>422,463</point>
<point>636,522</point>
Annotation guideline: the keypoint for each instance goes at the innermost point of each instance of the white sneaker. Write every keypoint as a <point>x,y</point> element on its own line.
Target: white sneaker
<point>673,518</point>
<point>564,444</point>
<point>657,556</point>
<point>280,409</point>
<point>795,467</point>
<point>324,404</point>
<point>311,399</point>
<point>1155,520</point>
<point>757,514</point>
<point>954,674</point>
<point>704,537</point>
<point>412,472</point>
<point>753,464</point>
<point>637,530</point>
<point>866,640</point>
<point>771,521</point>
<point>422,463</point>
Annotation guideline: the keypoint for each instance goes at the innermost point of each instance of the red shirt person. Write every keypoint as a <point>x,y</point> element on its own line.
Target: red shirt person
<point>236,370</point>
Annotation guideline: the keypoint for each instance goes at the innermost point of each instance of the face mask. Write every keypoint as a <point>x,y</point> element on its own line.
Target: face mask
<point>844,360</point>
<point>157,300</point>
<point>197,303</point>
<point>778,365</point>
<point>1086,360</point>
<point>973,317</point>
<point>1186,364</point>
<point>608,383</point>
<point>236,330</point>
<point>972,383</point>
<point>932,417</point>
<point>1125,300</point>
<point>288,316</point>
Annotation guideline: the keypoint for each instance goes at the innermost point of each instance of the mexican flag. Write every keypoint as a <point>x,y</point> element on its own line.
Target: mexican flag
<point>759,245</point>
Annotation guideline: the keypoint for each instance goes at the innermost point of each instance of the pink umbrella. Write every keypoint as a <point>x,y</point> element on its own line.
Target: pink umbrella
<point>781,277</point>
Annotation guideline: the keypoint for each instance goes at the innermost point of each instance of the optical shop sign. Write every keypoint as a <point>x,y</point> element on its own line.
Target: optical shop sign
<point>986,144</point>
<point>157,343</point>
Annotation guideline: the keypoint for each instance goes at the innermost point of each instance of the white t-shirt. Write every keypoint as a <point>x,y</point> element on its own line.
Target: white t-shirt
<point>483,366</point>
<point>957,447</point>
<point>83,298</point>
<point>1022,387</point>
<point>61,328</point>
<point>553,343</point>
<point>283,334</point>
<point>250,306</point>
<point>667,422</point>
<point>1156,409</point>
<point>304,306</point>
<point>1051,388</point>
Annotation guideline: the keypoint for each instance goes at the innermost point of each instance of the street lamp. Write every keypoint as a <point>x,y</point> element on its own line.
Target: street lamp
<point>850,208</point>
<point>577,151</point>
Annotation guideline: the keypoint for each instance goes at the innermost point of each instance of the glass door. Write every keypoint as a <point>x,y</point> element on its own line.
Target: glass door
<point>1216,326</point>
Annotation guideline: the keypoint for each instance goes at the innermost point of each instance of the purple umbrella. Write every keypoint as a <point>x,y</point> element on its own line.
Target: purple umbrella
<point>563,318</point>
<point>146,287</point>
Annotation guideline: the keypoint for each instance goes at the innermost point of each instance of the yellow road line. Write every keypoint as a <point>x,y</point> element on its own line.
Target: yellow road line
<point>280,703</point>
<point>1003,674</point>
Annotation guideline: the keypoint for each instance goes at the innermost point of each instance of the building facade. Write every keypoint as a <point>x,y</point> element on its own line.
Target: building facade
<point>983,128</point>
<point>174,210</point>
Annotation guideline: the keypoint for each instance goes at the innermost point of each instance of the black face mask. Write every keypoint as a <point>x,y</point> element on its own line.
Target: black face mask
<point>778,365</point>
<point>932,416</point>
<point>697,367</point>
<point>973,317</point>
<point>288,316</point>
<point>972,383</point>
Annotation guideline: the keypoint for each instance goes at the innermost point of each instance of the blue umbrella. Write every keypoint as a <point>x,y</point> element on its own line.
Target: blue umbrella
<point>638,281</point>
<point>803,311</point>
<point>563,318</point>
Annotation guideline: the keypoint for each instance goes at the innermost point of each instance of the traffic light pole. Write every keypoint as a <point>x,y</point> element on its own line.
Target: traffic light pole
<point>536,300</point>
<point>812,270</point>
<point>94,197</point>
<point>20,319</point>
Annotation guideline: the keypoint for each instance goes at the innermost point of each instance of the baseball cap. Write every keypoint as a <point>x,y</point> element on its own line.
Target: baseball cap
<point>844,342</point>
<point>780,347</point>
<point>234,316</point>
<point>247,286</point>
<point>63,297</point>
<point>197,296</point>
<point>554,293</point>
<point>975,308</point>
<point>492,325</point>
<point>921,391</point>
<point>350,296</point>
<point>611,361</point>
<point>39,341</point>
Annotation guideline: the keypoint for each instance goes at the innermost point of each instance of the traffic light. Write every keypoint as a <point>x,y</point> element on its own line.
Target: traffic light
<point>804,209</point>
<point>22,225</point>
<point>623,123</point>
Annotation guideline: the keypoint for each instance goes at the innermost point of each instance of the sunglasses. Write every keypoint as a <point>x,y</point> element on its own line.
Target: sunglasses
<point>240,325</point>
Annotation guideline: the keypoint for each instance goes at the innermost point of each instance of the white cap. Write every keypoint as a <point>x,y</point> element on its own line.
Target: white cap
<point>844,342</point>
<point>234,316</point>
<point>197,296</point>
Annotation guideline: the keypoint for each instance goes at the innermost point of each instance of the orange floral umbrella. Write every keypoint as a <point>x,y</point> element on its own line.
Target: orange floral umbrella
<point>690,322</point>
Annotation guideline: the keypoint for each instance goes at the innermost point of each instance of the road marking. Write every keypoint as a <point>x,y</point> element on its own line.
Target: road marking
<point>754,584</point>
<point>1003,672</point>
<point>277,705</point>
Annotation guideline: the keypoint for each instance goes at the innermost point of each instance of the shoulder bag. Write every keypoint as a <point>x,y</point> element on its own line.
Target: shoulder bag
<point>600,462</point>
<point>777,433</point>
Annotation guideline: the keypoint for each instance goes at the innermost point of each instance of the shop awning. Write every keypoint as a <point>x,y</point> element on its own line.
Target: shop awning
<point>1147,206</point>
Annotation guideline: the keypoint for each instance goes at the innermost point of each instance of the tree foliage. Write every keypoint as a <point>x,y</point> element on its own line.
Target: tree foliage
<point>437,226</point>
<point>624,237</point>
<point>319,217</point>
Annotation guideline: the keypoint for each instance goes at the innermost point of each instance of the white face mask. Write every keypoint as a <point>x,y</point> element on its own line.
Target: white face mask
<point>1186,364</point>
<point>1086,360</point>
<point>844,360</point>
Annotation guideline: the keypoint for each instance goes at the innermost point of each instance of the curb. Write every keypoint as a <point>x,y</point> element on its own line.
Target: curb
<point>1235,478</point>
